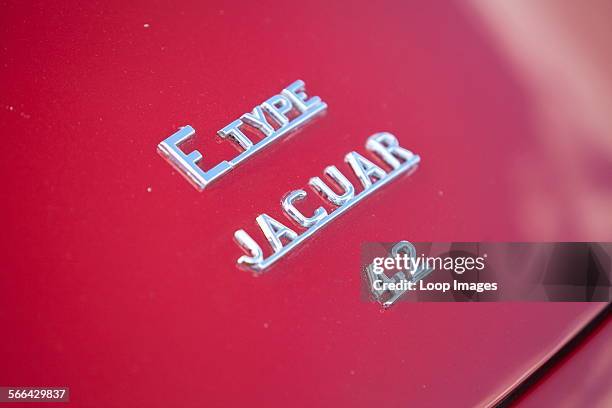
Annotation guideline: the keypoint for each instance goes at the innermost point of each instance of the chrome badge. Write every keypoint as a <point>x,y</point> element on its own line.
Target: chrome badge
<point>272,119</point>
<point>283,239</point>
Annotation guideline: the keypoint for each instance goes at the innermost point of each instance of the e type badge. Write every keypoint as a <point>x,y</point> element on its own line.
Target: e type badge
<point>372,177</point>
<point>274,119</point>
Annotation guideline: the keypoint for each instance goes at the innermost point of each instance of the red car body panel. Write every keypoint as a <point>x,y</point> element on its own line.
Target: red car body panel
<point>580,379</point>
<point>119,279</point>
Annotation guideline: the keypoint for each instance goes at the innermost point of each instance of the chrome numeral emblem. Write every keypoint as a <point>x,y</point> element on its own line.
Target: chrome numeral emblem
<point>283,238</point>
<point>388,297</point>
<point>272,119</point>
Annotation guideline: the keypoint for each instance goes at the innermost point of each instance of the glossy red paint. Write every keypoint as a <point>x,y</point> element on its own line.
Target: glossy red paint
<point>582,379</point>
<point>119,278</point>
